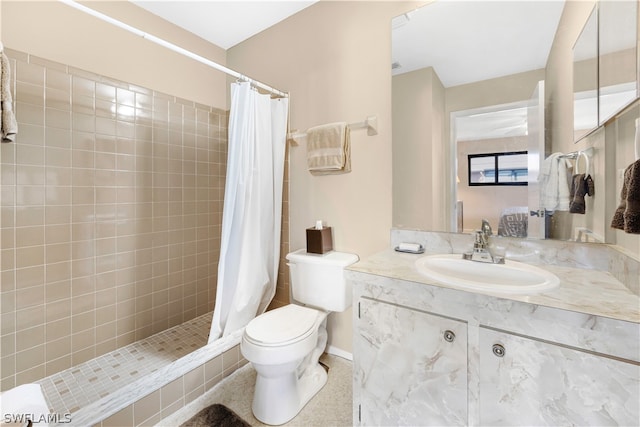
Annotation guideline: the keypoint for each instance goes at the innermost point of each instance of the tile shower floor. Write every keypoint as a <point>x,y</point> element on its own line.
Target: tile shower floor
<point>80,385</point>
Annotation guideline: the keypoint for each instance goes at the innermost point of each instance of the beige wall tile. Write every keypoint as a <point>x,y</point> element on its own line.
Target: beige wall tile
<point>119,419</point>
<point>32,357</point>
<point>30,338</point>
<point>108,232</point>
<point>172,392</point>
<point>59,330</point>
<point>146,407</point>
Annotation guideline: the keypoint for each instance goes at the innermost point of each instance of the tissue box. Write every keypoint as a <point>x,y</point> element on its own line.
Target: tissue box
<point>319,241</point>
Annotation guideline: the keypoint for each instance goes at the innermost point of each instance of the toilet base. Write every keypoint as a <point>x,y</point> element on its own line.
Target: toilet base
<point>277,400</point>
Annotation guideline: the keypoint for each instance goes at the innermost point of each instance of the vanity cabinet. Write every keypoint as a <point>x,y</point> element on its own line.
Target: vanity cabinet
<point>525,382</point>
<point>414,368</point>
<point>425,355</point>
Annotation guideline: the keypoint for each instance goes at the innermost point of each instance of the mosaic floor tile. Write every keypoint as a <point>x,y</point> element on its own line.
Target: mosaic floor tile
<point>80,385</point>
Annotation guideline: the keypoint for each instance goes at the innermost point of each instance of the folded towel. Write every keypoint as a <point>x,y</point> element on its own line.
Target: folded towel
<point>627,215</point>
<point>581,186</point>
<point>8,125</point>
<point>329,149</point>
<point>554,183</point>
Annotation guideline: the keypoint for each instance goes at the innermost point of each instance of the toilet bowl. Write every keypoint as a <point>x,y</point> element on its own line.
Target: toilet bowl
<point>284,345</point>
<point>280,345</point>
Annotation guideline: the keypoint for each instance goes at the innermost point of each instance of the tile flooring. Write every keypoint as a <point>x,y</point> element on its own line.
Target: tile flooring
<point>80,385</point>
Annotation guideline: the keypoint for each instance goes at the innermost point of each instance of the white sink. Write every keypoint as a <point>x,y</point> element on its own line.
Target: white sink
<point>511,277</point>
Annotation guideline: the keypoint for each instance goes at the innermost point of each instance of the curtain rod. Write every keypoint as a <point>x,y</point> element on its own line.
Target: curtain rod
<point>172,47</point>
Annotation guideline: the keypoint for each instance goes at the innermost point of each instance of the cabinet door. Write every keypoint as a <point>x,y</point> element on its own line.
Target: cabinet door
<point>406,372</point>
<point>539,383</point>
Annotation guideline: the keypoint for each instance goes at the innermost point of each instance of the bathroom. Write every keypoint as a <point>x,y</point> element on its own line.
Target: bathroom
<point>333,58</point>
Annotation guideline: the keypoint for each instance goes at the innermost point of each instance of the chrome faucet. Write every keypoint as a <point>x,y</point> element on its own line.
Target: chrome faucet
<point>481,251</point>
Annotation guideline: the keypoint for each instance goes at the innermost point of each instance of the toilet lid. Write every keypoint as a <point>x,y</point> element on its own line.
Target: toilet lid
<point>282,325</point>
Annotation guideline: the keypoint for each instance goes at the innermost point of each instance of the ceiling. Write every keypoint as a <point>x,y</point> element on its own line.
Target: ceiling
<point>472,40</point>
<point>464,40</point>
<point>223,23</point>
<point>467,41</point>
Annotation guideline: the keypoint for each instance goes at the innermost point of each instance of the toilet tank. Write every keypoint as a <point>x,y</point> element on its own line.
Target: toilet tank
<point>318,280</point>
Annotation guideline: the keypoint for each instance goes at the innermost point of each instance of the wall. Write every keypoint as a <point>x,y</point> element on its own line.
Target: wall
<point>418,118</point>
<point>622,130</point>
<point>559,76</point>
<point>334,58</point>
<point>613,142</point>
<point>111,197</point>
<point>111,213</point>
<point>55,31</point>
<point>417,113</point>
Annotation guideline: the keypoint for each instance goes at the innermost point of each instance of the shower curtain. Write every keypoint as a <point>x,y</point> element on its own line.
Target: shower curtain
<point>250,241</point>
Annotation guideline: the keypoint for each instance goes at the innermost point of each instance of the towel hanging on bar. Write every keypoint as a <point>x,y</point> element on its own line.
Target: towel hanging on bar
<point>8,123</point>
<point>329,149</point>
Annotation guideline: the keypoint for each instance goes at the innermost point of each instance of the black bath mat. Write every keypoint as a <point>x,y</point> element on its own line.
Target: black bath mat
<point>216,415</point>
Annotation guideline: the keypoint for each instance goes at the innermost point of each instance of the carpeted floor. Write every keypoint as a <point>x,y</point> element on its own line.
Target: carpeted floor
<point>332,406</point>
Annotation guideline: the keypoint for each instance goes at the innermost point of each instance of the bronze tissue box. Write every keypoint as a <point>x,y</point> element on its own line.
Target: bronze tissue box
<point>319,241</point>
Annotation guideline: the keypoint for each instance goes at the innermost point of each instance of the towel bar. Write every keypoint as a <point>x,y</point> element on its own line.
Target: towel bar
<point>370,123</point>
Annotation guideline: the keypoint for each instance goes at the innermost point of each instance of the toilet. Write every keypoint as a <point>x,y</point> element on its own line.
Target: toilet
<point>285,344</point>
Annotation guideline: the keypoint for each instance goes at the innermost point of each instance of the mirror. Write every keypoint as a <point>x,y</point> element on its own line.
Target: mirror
<point>617,57</point>
<point>463,71</point>
<point>585,79</point>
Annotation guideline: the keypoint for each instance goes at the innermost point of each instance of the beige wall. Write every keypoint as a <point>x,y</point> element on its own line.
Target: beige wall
<point>559,76</point>
<point>334,58</point>
<point>623,130</point>
<point>417,114</point>
<point>613,143</point>
<point>55,31</point>
<point>421,112</point>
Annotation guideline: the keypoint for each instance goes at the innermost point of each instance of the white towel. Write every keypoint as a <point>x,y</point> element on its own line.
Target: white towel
<point>24,402</point>
<point>329,149</point>
<point>554,183</point>
<point>8,124</point>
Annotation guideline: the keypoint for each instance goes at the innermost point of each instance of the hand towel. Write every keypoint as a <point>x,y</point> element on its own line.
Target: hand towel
<point>581,186</point>
<point>554,183</point>
<point>329,149</point>
<point>627,215</point>
<point>8,124</point>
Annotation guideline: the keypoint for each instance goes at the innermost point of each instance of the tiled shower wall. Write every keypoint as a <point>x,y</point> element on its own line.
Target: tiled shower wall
<point>111,212</point>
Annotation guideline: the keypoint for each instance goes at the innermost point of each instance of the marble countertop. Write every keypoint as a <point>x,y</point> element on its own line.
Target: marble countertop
<point>593,292</point>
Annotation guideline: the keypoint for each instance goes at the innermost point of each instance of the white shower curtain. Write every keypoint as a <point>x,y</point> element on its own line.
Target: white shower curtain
<point>250,241</point>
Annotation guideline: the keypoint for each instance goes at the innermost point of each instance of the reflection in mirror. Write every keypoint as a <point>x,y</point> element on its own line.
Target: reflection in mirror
<point>585,79</point>
<point>461,89</point>
<point>482,138</point>
<point>618,32</point>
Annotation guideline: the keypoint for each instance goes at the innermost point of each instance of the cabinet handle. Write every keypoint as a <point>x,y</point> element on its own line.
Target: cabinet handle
<point>498,350</point>
<point>449,336</point>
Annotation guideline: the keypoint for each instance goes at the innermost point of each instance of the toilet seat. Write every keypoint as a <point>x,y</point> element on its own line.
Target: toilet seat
<point>282,326</point>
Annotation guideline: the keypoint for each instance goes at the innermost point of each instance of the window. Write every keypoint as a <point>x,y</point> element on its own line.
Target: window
<point>498,169</point>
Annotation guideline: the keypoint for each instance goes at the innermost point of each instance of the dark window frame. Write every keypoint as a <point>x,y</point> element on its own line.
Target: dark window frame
<point>495,172</point>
